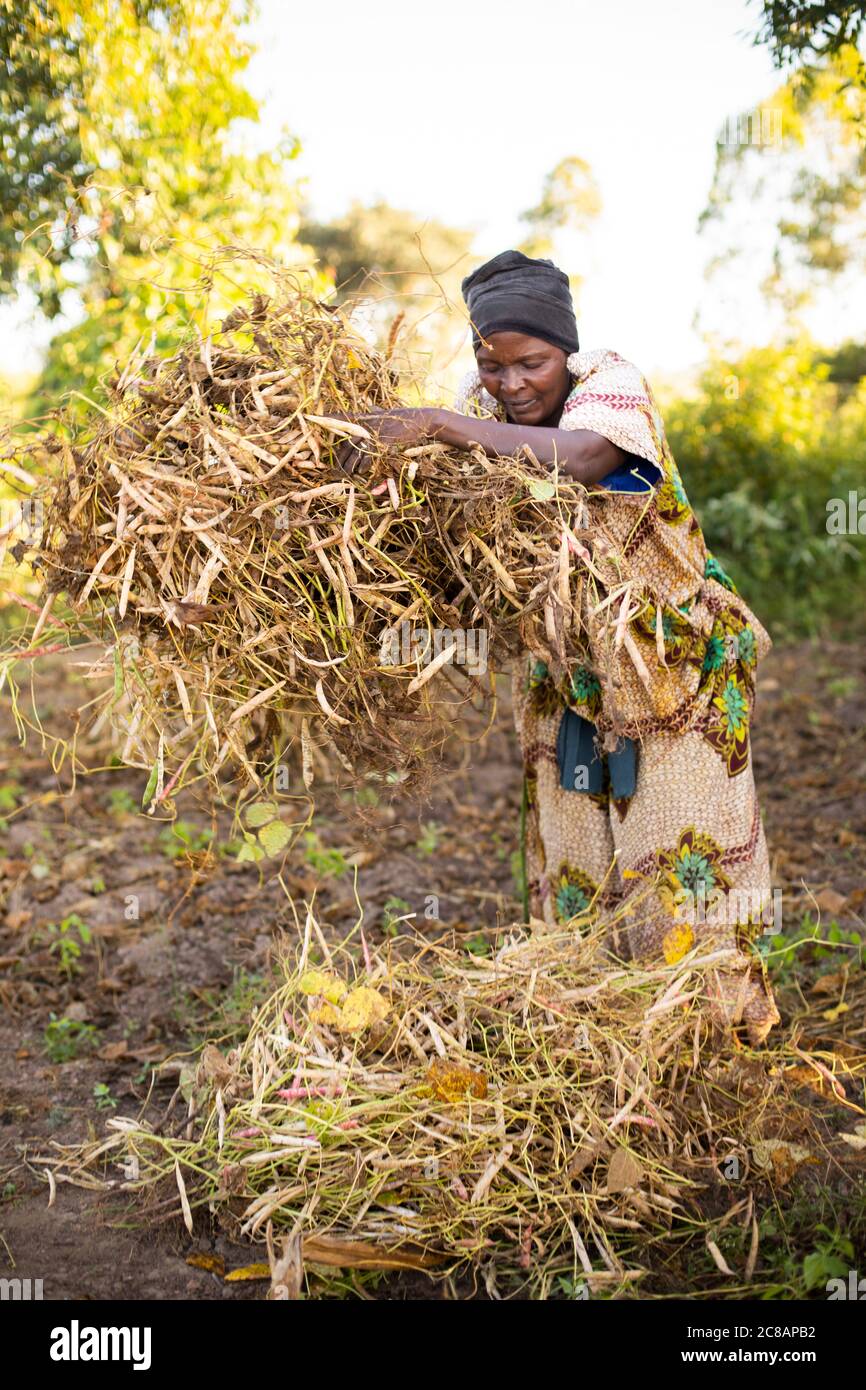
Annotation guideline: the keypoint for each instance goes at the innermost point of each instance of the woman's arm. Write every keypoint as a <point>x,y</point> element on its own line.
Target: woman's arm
<point>582,454</point>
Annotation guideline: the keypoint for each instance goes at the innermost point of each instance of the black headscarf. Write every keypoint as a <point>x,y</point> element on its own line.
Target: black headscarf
<point>514,293</point>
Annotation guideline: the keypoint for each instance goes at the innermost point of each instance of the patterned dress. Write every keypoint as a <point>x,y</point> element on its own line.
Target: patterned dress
<point>669,662</point>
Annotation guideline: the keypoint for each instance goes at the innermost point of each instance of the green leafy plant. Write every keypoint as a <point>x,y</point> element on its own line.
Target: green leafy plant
<point>570,1287</point>
<point>65,1039</point>
<point>831,1259</point>
<point>393,909</point>
<point>182,838</point>
<point>121,802</point>
<point>229,849</point>
<point>762,444</point>
<point>103,1097</point>
<point>428,841</point>
<point>499,848</point>
<point>518,876</point>
<point>477,946</point>
<point>68,938</point>
<point>266,835</point>
<point>835,936</point>
<point>814,941</point>
<point>842,687</point>
<point>227,1013</point>
<point>328,863</point>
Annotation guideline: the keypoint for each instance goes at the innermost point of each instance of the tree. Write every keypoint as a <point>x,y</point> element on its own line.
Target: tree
<point>42,163</point>
<point>570,201</point>
<point>151,98</point>
<point>763,442</point>
<point>403,273</point>
<point>786,213</point>
<point>383,250</point>
<point>799,32</point>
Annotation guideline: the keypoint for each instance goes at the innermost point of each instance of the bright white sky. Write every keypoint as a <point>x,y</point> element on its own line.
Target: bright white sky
<point>457,110</point>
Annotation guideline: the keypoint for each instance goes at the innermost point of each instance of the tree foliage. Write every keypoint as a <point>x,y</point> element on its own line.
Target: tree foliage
<point>383,250</point>
<point>804,32</point>
<point>42,163</point>
<point>763,443</point>
<point>403,273</point>
<point>151,98</point>
<point>570,200</point>
<point>787,215</point>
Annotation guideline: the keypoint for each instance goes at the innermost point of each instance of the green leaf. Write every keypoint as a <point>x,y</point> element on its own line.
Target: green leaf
<point>274,837</point>
<point>821,1266</point>
<point>542,489</point>
<point>260,813</point>
<point>249,854</point>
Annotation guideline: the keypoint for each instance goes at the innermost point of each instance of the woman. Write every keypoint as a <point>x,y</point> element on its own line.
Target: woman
<point>638,772</point>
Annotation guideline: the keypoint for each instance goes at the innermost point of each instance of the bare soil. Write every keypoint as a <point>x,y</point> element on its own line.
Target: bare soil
<point>195,959</point>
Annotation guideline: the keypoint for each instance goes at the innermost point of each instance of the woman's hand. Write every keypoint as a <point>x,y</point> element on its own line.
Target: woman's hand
<point>398,425</point>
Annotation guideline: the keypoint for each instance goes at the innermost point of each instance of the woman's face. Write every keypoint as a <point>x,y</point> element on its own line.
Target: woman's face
<point>526,375</point>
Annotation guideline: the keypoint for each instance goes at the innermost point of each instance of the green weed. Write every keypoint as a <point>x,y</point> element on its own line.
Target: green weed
<point>327,863</point>
<point>394,908</point>
<point>182,838</point>
<point>428,841</point>
<point>68,938</point>
<point>103,1097</point>
<point>66,1039</point>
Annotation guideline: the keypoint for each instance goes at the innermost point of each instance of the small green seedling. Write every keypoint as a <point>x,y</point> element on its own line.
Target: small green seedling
<point>103,1097</point>
<point>68,938</point>
<point>66,1039</point>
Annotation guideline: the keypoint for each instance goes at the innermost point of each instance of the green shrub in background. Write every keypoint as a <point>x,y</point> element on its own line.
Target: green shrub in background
<point>762,446</point>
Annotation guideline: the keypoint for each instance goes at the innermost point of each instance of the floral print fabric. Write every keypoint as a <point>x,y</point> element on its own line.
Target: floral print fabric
<point>684,686</point>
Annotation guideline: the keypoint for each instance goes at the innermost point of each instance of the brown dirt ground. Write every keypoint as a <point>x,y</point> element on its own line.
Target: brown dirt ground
<point>197,958</point>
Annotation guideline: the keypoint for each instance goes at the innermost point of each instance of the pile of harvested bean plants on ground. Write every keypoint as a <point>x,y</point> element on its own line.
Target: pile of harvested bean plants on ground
<point>543,1112</point>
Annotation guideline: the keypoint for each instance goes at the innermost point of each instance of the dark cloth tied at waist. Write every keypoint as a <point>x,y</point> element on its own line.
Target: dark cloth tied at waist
<point>582,765</point>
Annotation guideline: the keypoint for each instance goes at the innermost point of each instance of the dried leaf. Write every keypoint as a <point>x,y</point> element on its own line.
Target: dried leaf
<point>623,1171</point>
<point>362,1008</point>
<point>213,1264</point>
<point>585,1156</point>
<point>857,1139</point>
<point>247,1273</point>
<point>831,983</point>
<point>321,982</point>
<point>326,1014</point>
<point>214,1067</point>
<point>453,1082</point>
<point>542,489</point>
<point>780,1158</point>
<point>828,900</point>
